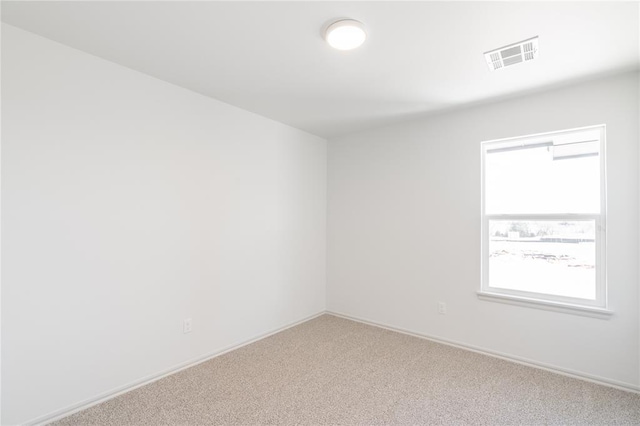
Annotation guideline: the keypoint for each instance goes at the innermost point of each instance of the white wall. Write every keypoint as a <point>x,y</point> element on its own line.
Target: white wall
<point>639,188</point>
<point>130,204</point>
<point>404,229</point>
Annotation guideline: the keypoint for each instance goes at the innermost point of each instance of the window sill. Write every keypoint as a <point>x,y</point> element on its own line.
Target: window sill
<point>588,311</point>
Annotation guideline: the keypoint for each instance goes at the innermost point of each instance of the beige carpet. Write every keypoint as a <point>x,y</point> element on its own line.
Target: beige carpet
<point>334,371</point>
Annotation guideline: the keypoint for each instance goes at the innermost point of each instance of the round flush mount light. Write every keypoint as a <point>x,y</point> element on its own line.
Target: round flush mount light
<point>345,34</point>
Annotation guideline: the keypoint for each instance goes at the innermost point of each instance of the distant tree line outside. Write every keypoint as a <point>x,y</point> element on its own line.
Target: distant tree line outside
<point>532,229</point>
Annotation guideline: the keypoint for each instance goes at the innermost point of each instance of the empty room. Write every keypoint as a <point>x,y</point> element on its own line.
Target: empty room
<point>320,213</point>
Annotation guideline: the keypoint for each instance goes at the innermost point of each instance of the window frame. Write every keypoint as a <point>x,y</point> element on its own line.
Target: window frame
<point>544,300</point>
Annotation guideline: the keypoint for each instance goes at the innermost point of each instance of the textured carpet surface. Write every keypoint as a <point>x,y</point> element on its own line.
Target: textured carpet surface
<point>335,371</point>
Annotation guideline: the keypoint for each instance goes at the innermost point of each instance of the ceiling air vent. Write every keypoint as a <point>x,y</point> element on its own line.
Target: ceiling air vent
<point>516,53</point>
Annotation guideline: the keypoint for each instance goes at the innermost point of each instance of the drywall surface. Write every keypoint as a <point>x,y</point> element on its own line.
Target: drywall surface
<point>404,229</point>
<point>130,204</point>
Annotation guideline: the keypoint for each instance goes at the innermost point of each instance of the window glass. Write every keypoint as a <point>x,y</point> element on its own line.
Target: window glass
<point>543,179</point>
<point>552,257</point>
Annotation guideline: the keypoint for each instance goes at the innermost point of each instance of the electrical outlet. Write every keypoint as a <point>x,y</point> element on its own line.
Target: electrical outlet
<point>442,308</point>
<point>187,326</point>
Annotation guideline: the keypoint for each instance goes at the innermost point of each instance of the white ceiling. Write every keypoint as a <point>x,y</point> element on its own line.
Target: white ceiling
<point>270,58</point>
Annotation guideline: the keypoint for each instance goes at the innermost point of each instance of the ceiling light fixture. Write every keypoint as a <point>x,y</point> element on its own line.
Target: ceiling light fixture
<point>345,34</point>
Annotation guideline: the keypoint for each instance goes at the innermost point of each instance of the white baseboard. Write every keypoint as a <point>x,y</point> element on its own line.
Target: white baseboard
<point>105,396</point>
<point>629,387</point>
<point>83,405</point>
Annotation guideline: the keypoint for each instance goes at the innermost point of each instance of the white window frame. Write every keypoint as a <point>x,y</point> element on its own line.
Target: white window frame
<point>597,307</point>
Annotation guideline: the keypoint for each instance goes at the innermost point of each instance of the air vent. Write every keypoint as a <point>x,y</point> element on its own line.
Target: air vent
<point>513,54</point>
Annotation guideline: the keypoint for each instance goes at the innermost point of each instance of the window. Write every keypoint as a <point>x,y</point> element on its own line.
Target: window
<point>543,219</point>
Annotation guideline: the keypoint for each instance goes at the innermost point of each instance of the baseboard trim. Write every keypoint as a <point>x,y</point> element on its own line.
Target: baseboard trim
<point>105,396</point>
<point>629,387</point>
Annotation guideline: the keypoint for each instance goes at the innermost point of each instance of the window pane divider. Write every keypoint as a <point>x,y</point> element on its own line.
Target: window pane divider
<point>544,216</point>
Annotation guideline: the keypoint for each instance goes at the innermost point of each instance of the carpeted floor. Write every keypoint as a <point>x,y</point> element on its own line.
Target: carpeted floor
<point>334,371</point>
